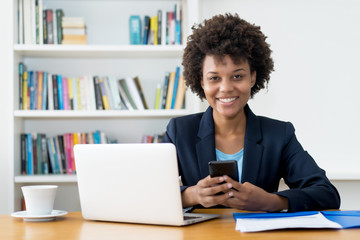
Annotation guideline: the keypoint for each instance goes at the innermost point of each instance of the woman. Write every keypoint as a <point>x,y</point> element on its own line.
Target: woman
<point>227,61</point>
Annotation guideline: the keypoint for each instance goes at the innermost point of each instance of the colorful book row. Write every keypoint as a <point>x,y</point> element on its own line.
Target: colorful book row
<point>157,138</point>
<point>53,155</point>
<point>40,90</point>
<point>165,28</point>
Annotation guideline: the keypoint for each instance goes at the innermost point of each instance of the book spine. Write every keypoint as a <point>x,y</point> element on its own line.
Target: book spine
<point>146,30</point>
<point>135,29</point>
<point>78,94</point>
<point>21,82</point>
<point>176,84</point>
<point>58,155</point>
<point>98,99</point>
<point>45,91</point>
<point>40,19</point>
<point>44,155</point>
<point>165,90</point>
<point>40,90</point>
<point>56,92</point>
<point>67,145</point>
<point>114,93</point>
<point>32,89</point>
<point>44,20</point>
<point>50,26</point>
<point>35,87</point>
<point>75,99</point>
<point>91,93</point>
<point>65,93</point>
<point>180,96</point>
<point>29,155</point>
<point>50,92</point>
<point>35,153</point>
<point>51,155</point>
<point>25,91</point>
<point>60,92</point>
<point>104,94</point>
<point>55,27</point>
<point>170,90</point>
<point>64,161</point>
<point>133,91</point>
<point>109,93</point>
<point>70,93</point>
<point>23,152</point>
<point>39,154</point>
<point>127,93</point>
<point>141,93</point>
<point>37,22</point>
<point>157,98</point>
<point>83,93</point>
<point>71,136</point>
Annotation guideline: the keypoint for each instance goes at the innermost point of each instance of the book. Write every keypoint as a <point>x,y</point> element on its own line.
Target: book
<point>180,95</point>
<point>134,93</point>
<point>170,90</point>
<point>124,95</point>
<point>23,153</point>
<point>104,96</point>
<point>44,155</point>
<point>59,162</point>
<point>72,22</point>
<point>115,93</point>
<point>165,90</point>
<point>74,39</point>
<point>153,30</point>
<point>98,98</point>
<point>49,26</point>
<point>41,23</point>
<point>140,91</point>
<point>159,26</point>
<point>45,91</point>
<point>91,93</point>
<point>44,20</point>
<point>146,29</point>
<point>40,88</point>
<point>27,22</point>
<point>78,94</point>
<point>55,91</point>
<point>21,82</point>
<point>55,27</point>
<point>64,161</point>
<point>25,91</point>
<point>176,84</point>
<point>126,92</point>
<point>158,97</point>
<point>109,93</point>
<point>21,22</point>
<point>255,222</point>
<point>60,92</point>
<point>59,30</point>
<point>29,154</point>
<point>33,21</point>
<point>178,12</point>
<point>135,29</point>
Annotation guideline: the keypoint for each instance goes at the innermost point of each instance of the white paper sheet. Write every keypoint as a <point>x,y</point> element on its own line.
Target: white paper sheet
<point>264,224</point>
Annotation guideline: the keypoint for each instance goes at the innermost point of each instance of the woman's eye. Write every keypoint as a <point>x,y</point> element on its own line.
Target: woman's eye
<point>237,77</point>
<point>214,78</point>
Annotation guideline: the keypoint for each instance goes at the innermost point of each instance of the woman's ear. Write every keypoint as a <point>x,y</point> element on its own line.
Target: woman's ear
<point>253,78</point>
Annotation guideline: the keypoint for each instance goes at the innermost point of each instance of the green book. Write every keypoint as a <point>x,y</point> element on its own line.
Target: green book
<point>127,93</point>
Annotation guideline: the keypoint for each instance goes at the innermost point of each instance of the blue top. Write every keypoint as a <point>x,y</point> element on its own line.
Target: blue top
<point>220,156</point>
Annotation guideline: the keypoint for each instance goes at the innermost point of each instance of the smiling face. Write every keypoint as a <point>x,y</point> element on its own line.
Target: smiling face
<point>227,85</point>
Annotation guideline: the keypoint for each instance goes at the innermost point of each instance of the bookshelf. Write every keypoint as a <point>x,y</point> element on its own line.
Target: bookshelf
<point>107,53</point>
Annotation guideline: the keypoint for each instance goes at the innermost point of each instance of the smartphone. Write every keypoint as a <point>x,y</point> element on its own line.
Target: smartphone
<point>220,168</point>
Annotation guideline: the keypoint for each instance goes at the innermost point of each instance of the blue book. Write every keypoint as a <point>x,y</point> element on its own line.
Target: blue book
<point>135,29</point>
<point>60,92</point>
<point>29,154</point>
<point>32,89</point>
<point>97,139</point>
<point>146,29</point>
<point>45,88</point>
<point>176,83</point>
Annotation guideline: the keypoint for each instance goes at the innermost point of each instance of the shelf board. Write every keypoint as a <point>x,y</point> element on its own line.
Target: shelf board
<point>100,51</point>
<point>99,113</point>
<point>46,179</point>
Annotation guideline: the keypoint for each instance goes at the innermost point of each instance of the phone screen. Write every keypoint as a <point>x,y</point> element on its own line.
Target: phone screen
<point>220,168</point>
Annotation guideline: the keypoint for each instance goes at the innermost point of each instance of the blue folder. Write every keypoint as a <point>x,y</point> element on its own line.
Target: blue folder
<point>347,219</point>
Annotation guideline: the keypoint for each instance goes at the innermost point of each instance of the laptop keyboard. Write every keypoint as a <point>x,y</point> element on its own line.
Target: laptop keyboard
<point>191,217</point>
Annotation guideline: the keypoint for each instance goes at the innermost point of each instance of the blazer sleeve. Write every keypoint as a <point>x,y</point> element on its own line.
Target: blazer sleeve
<point>310,189</point>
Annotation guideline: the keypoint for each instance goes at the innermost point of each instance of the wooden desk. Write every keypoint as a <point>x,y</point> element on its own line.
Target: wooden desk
<point>73,226</point>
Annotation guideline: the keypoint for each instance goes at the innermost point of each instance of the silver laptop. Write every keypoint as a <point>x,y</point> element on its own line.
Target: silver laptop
<point>134,183</point>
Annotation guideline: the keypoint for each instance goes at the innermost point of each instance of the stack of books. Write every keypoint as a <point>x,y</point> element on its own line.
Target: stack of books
<point>73,30</point>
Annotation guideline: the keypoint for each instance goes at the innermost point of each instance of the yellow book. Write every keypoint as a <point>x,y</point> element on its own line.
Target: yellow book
<point>170,90</point>
<point>154,30</point>
<point>71,93</point>
<point>24,86</point>
<point>40,90</point>
<point>180,95</point>
<point>158,95</point>
<point>78,93</point>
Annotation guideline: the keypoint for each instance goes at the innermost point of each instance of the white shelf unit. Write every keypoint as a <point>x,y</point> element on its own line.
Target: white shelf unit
<point>107,54</point>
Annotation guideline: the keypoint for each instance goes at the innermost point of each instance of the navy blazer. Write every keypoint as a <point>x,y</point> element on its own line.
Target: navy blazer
<point>271,152</point>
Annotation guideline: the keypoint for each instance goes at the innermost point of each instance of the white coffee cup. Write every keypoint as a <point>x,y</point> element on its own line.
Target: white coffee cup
<point>39,199</point>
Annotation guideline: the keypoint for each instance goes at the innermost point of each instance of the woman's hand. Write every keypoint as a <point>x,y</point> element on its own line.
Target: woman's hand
<point>249,197</point>
<point>204,192</point>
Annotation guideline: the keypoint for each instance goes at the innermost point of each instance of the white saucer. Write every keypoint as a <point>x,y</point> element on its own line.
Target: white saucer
<point>38,218</point>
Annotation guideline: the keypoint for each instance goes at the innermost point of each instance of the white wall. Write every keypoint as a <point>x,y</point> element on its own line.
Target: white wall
<point>5,108</point>
<point>316,80</point>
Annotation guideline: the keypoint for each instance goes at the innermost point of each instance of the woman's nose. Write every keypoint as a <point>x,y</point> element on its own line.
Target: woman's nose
<point>226,85</point>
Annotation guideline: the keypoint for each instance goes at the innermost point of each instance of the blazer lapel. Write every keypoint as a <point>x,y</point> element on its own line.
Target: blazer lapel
<point>253,150</point>
<point>205,147</point>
